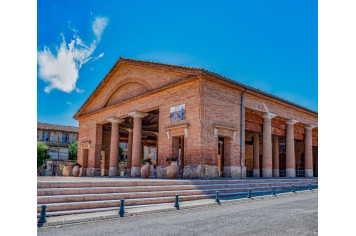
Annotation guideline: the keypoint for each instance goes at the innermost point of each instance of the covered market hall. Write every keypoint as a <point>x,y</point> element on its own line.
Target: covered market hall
<point>216,127</point>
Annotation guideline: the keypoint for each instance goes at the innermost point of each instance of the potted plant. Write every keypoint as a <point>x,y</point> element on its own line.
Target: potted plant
<point>76,169</point>
<point>65,168</point>
<point>145,167</point>
<point>172,167</point>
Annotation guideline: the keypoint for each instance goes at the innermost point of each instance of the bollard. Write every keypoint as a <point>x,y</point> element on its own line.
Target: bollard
<point>273,191</point>
<point>176,204</point>
<point>217,197</point>
<point>249,193</point>
<point>309,188</point>
<point>122,210</point>
<point>293,188</point>
<point>42,219</point>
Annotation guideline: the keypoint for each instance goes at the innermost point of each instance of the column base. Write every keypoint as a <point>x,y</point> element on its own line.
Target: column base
<point>244,172</point>
<point>309,173</point>
<point>113,171</point>
<point>233,172</point>
<point>290,173</point>
<point>128,172</point>
<point>93,172</point>
<point>256,173</point>
<point>161,172</point>
<point>267,172</point>
<point>275,172</point>
<point>135,171</point>
<point>201,171</point>
<point>104,172</point>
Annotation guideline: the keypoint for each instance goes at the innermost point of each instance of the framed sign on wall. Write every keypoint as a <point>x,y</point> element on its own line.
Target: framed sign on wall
<point>177,112</point>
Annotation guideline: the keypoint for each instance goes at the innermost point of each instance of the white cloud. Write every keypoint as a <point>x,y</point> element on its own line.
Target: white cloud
<point>69,103</point>
<point>78,90</point>
<point>99,25</point>
<point>61,71</point>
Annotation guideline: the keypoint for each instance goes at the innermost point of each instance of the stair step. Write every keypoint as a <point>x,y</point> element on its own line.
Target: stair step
<point>97,190</point>
<point>132,195</point>
<point>118,183</point>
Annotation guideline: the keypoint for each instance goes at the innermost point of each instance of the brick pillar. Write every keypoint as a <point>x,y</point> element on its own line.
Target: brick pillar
<point>129,152</point>
<point>114,146</point>
<point>267,145</point>
<point>275,156</point>
<point>290,152</point>
<point>136,143</point>
<point>256,154</point>
<point>308,152</point>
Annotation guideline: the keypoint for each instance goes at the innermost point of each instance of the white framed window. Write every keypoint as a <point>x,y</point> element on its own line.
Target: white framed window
<point>65,138</point>
<point>45,136</point>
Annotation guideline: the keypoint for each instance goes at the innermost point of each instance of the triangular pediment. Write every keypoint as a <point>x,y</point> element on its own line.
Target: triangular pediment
<point>131,78</point>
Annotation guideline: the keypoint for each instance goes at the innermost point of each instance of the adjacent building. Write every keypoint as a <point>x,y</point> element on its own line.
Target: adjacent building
<point>57,138</point>
<point>216,126</point>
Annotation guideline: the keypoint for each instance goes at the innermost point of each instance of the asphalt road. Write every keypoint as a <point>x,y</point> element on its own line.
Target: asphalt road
<point>291,215</point>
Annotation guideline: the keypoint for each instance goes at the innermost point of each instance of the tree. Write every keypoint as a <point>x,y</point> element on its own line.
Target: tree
<point>73,150</point>
<point>41,153</point>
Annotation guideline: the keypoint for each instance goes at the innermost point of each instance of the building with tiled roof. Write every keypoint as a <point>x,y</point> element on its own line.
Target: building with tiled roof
<point>57,138</point>
<point>228,129</point>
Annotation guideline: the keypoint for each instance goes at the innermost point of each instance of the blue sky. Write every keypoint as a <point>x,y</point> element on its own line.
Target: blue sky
<point>268,44</point>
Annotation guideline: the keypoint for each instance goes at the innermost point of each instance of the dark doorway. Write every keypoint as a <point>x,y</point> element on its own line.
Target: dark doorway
<point>221,156</point>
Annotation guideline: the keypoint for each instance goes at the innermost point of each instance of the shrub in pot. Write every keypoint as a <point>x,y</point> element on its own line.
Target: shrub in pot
<point>172,167</point>
<point>76,169</point>
<point>145,167</point>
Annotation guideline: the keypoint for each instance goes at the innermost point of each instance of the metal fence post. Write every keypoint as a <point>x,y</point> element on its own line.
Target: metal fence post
<point>176,204</point>
<point>309,186</point>
<point>122,210</point>
<point>249,193</point>
<point>42,219</point>
<point>273,191</point>
<point>293,188</point>
<point>217,197</point>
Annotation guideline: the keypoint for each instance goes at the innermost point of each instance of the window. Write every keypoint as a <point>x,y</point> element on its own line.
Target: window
<point>123,145</point>
<point>65,138</point>
<point>45,136</point>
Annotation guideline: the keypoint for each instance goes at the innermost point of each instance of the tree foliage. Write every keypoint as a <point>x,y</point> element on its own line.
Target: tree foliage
<point>41,153</point>
<point>73,150</point>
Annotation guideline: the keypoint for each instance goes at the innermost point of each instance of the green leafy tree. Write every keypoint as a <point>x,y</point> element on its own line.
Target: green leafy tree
<point>73,150</point>
<point>121,152</point>
<point>41,153</point>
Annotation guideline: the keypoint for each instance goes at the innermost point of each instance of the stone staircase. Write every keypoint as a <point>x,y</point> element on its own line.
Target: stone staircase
<point>62,198</point>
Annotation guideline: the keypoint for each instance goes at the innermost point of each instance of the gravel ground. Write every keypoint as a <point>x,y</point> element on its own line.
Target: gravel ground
<point>292,215</point>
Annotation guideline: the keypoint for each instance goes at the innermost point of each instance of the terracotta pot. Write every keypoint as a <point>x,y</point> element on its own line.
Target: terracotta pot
<point>75,171</point>
<point>66,171</point>
<point>145,170</point>
<point>173,170</point>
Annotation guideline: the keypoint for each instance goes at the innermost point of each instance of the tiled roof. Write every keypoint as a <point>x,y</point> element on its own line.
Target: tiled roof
<point>191,69</point>
<point>45,126</point>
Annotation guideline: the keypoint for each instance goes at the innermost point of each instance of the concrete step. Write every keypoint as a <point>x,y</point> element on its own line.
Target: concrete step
<point>97,190</point>
<point>156,182</point>
<point>76,202</point>
<point>134,195</point>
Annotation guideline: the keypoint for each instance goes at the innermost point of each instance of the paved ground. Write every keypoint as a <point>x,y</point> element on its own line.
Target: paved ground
<point>292,215</point>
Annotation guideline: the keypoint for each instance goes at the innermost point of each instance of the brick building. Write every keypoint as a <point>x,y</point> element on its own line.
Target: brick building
<point>57,138</point>
<point>215,125</point>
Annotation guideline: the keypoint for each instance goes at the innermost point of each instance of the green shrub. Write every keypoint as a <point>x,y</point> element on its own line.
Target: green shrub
<point>73,151</point>
<point>41,153</point>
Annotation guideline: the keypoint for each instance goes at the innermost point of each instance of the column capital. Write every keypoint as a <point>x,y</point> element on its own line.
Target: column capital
<point>137,114</point>
<point>291,122</point>
<point>309,126</point>
<point>115,120</point>
<point>268,115</point>
<point>129,130</point>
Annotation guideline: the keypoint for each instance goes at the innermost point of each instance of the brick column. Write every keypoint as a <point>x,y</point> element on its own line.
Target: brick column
<point>256,154</point>
<point>267,145</point>
<point>114,146</point>
<point>275,156</point>
<point>290,152</point>
<point>136,143</point>
<point>129,152</point>
<point>308,152</point>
